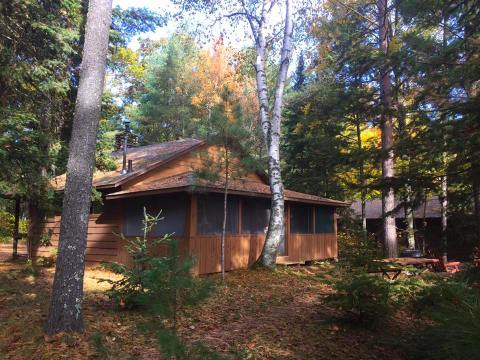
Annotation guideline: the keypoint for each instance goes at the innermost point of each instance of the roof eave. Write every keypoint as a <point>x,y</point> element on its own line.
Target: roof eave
<point>199,189</point>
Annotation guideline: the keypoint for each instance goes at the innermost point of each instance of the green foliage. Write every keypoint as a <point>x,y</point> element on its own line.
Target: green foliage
<point>6,226</point>
<point>364,299</point>
<point>354,250</point>
<point>129,288</point>
<point>161,285</point>
<point>453,309</point>
<point>442,294</point>
<point>30,269</point>
<point>98,343</point>
<point>127,23</point>
<point>369,299</point>
<point>165,111</point>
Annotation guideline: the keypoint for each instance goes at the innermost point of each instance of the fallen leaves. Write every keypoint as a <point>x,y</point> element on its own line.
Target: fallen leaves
<point>255,314</point>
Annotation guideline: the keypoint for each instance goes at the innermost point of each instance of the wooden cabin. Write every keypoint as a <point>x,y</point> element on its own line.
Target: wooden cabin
<point>165,177</point>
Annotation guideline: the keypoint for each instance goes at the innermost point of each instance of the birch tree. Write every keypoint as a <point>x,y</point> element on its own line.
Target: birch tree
<point>65,313</point>
<point>271,118</point>
<point>261,18</point>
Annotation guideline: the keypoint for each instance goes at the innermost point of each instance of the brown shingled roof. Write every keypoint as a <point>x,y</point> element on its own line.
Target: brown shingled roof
<point>373,209</point>
<point>144,158</point>
<point>189,181</point>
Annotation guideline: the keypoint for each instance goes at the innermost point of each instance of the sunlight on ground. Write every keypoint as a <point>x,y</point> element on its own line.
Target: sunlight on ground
<point>255,314</point>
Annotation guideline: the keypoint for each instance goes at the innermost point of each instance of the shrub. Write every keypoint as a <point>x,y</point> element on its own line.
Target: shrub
<point>442,293</point>
<point>470,275</point>
<point>363,298</point>
<point>354,251</point>
<point>453,309</point>
<point>6,226</point>
<point>161,285</point>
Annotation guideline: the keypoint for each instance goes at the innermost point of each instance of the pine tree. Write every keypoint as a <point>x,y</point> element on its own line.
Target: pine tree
<point>299,77</point>
<point>65,313</point>
<point>162,286</point>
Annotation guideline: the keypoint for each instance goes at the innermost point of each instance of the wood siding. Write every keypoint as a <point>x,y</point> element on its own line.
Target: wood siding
<point>241,251</point>
<point>102,243</point>
<point>192,161</point>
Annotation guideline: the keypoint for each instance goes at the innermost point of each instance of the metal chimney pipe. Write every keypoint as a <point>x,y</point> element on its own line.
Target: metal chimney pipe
<point>125,146</point>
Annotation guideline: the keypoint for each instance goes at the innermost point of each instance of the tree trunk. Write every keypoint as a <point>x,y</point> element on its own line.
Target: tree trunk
<point>65,313</point>
<point>16,233</point>
<point>443,212</point>
<point>476,200</point>
<point>34,218</point>
<point>276,226</point>
<point>224,225</point>
<point>388,195</point>
<point>409,218</point>
<point>363,190</point>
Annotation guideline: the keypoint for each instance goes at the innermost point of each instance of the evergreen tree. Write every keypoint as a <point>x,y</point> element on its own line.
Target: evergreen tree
<point>299,77</point>
<point>65,313</point>
<point>161,285</point>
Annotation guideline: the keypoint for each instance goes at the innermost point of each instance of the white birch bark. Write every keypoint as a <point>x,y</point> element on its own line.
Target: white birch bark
<point>409,218</point>
<point>272,130</point>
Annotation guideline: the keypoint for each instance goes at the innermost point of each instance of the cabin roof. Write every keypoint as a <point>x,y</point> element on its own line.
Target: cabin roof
<point>144,158</point>
<point>189,181</point>
<point>373,209</point>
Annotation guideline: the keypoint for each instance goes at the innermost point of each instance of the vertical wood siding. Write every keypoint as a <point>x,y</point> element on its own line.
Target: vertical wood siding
<point>242,251</point>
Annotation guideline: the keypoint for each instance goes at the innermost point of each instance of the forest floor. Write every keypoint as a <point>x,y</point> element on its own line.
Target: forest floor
<point>255,314</point>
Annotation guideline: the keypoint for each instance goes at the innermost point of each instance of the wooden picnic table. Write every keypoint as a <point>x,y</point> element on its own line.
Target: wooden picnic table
<point>393,267</point>
<point>409,261</point>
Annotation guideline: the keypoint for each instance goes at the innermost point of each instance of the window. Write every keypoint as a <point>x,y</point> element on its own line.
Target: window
<point>255,215</point>
<point>210,214</point>
<point>174,209</point>
<point>301,219</point>
<point>133,219</point>
<point>324,219</point>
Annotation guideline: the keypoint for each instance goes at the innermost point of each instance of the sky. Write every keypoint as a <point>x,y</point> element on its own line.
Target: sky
<point>239,37</point>
<point>159,6</point>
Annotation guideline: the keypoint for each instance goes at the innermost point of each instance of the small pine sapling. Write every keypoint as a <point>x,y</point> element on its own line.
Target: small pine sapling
<point>161,285</point>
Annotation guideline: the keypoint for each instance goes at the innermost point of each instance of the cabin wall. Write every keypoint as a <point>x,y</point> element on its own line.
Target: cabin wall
<point>102,243</point>
<point>241,250</point>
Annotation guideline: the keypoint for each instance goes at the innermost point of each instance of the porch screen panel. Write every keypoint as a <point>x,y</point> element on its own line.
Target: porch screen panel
<point>301,219</point>
<point>324,219</point>
<point>255,215</point>
<point>174,209</point>
<point>133,216</point>
<point>210,214</point>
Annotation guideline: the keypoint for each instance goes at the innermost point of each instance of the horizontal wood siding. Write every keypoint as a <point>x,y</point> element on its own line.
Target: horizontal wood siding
<point>102,243</point>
